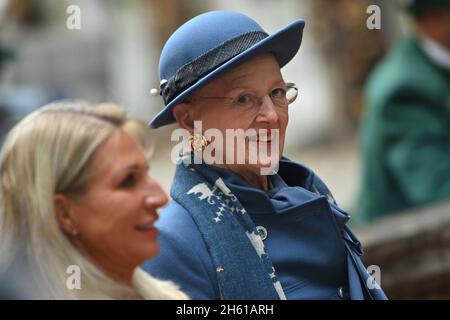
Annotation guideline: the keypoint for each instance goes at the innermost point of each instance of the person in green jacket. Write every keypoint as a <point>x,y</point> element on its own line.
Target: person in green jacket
<point>405,134</point>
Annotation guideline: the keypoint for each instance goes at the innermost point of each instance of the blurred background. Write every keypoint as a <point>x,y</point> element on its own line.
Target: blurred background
<point>114,55</point>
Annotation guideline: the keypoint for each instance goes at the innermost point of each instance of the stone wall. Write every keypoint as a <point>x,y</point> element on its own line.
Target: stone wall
<point>412,250</point>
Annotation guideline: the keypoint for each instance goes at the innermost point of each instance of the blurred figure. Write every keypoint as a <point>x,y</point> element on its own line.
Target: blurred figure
<point>406,131</point>
<point>75,194</point>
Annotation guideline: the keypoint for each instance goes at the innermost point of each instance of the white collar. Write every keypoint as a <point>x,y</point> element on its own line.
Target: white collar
<point>436,52</point>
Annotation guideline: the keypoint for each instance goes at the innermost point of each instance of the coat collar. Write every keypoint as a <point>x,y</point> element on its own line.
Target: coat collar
<point>292,188</point>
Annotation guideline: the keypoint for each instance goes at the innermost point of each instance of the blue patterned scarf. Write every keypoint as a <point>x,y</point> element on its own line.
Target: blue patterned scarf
<point>243,268</point>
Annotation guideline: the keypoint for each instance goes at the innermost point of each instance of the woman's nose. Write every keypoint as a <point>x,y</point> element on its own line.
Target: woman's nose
<point>267,111</point>
<point>156,197</point>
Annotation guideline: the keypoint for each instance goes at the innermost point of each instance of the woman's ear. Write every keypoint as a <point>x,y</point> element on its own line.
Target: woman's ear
<point>184,114</point>
<point>63,214</point>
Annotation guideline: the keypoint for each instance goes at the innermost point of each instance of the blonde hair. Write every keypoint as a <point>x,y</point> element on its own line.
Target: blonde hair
<point>48,152</point>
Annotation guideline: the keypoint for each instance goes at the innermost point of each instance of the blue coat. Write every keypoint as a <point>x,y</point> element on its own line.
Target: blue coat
<point>314,254</point>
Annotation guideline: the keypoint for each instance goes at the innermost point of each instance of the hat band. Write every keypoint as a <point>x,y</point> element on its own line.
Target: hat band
<point>207,62</point>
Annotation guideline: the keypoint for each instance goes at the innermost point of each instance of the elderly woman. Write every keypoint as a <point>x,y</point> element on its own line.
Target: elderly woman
<point>75,197</point>
<point>231,231</point>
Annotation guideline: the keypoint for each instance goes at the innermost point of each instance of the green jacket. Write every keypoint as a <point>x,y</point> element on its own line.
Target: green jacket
<point>405,135</point>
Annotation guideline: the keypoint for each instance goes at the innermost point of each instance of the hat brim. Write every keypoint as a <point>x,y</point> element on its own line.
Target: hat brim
<point>284,44</point>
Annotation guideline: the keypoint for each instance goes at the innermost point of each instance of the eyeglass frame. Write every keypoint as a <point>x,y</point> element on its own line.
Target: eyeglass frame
<point>258,100</point>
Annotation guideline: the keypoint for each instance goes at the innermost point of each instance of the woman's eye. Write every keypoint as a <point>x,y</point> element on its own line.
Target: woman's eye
<point>243,100</point>
<point>279,93</point>
<point>128,181</point>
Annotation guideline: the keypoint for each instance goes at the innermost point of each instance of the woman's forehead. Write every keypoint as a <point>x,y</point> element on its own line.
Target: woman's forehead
<point>263,69</point>
<point>265,62</point>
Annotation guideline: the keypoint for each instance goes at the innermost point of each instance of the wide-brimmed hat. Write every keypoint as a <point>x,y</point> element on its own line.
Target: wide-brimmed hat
<point>209,45</point>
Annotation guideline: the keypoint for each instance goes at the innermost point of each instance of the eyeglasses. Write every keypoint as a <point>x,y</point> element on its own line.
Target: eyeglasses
<point>281,97</point>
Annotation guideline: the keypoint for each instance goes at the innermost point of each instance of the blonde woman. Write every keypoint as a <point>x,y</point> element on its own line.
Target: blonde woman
<point>74,191</point>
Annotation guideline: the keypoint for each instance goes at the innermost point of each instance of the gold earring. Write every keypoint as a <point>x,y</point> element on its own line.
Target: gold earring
<point>197,142</point>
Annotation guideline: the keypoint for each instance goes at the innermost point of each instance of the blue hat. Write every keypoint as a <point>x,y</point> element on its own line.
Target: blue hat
<point>209,45</point>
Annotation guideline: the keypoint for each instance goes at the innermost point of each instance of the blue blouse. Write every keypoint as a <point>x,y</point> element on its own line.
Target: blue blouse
<point>302,232</point>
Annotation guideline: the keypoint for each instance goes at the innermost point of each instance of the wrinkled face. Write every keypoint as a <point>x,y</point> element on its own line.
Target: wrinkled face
<point>259,77</point>
<point>115,217</point>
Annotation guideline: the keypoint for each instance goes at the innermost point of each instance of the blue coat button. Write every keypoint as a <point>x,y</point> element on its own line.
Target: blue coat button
<point>343,292</point>
<point>262,232</point>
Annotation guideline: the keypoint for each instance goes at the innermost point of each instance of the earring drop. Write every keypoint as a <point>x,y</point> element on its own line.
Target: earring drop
<point>197,142</point>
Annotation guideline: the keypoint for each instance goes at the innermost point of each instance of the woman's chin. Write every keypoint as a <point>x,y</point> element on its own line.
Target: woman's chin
<point>148,251</point>
<point>265,163</point>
